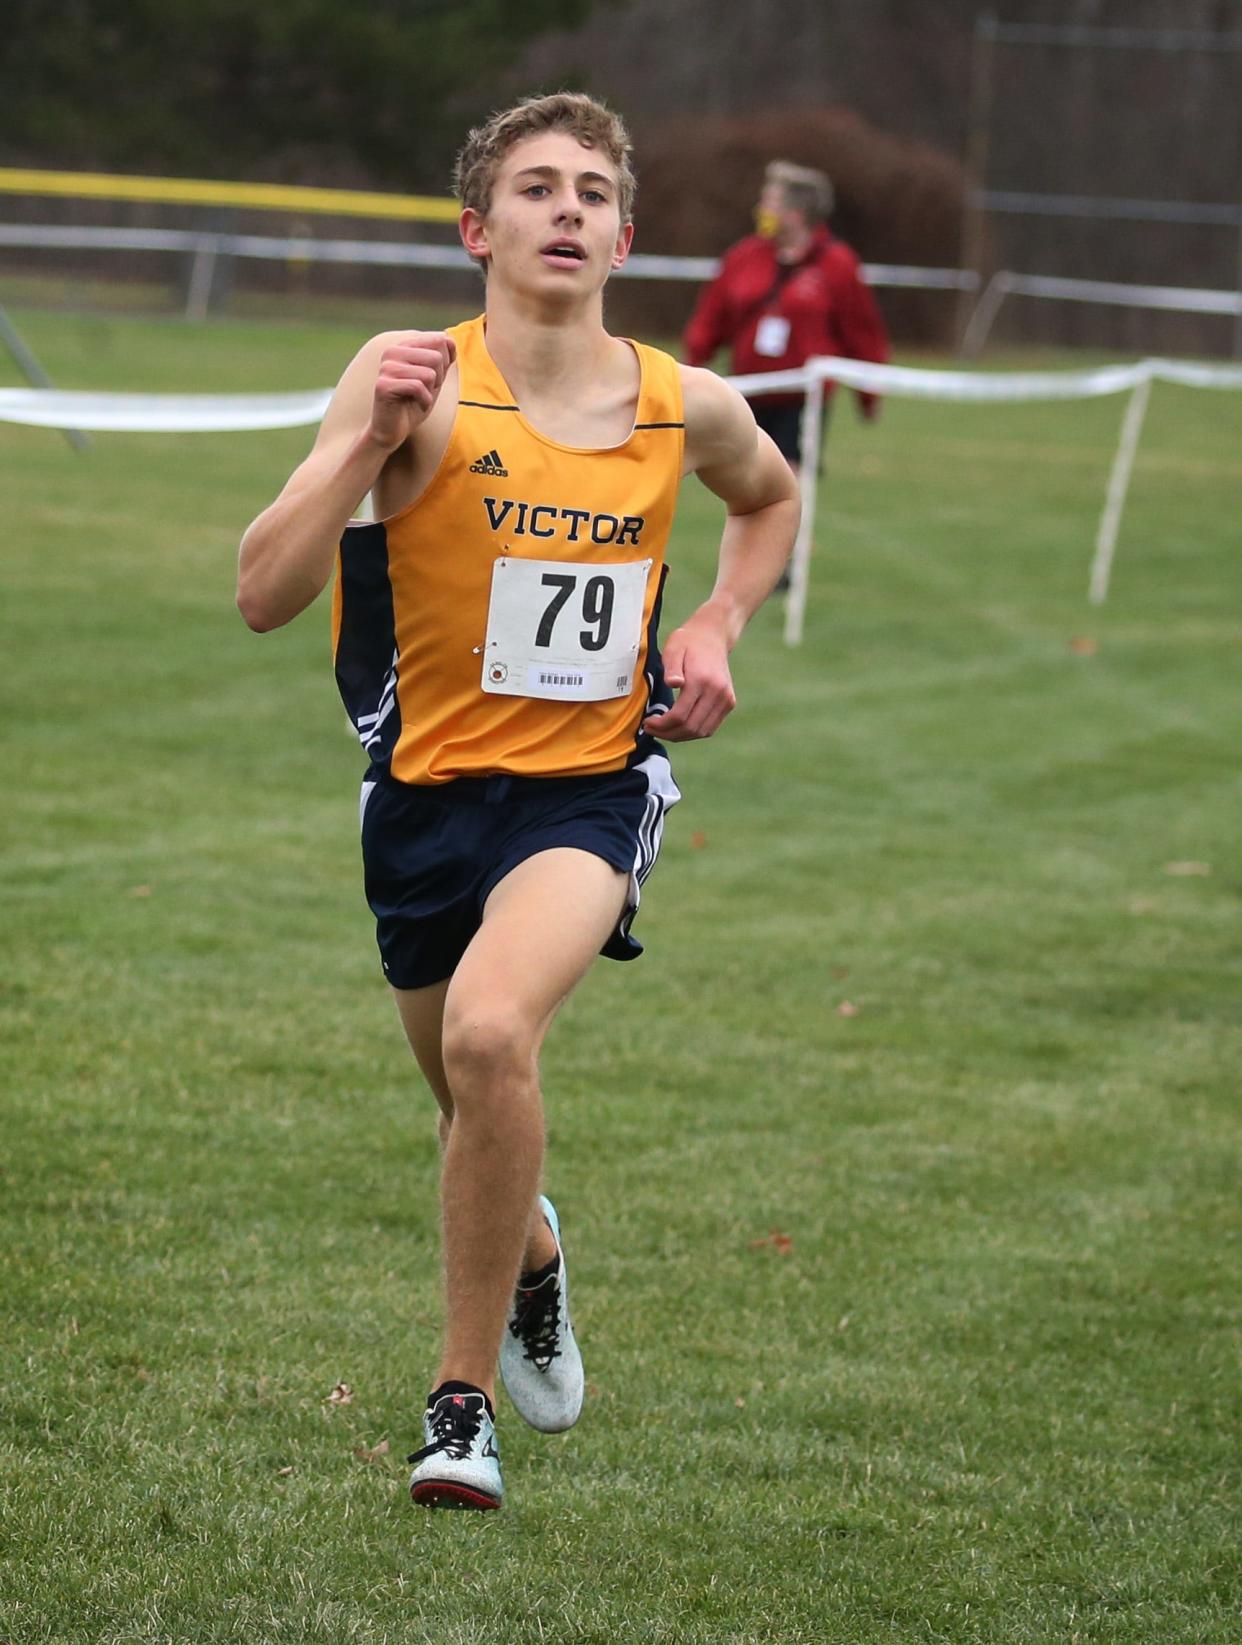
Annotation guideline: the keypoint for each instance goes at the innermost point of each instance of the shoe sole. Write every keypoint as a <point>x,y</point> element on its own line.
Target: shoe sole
<point>446,1493</point>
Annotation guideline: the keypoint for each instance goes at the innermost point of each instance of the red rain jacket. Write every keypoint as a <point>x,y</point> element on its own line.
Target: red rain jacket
<point>823,298</point>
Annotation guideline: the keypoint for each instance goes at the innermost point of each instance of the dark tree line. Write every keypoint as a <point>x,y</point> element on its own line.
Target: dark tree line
<point>370,91</point>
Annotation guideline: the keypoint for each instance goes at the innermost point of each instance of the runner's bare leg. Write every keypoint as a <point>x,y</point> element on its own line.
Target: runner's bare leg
<point>542,926</point>
<point>422,1016</point>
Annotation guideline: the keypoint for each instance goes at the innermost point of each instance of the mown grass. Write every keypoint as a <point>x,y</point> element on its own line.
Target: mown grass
<point>912,1322</point>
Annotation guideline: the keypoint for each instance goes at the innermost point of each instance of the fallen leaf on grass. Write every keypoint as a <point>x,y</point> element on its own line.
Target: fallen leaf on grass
<point>372,1453</point>
<point>698,840</point>
<point>140,891</point>
<point>1185,870</point>
<point>1082,645</point>
<point>283,1473</point>
<point>839,972</point>
<point>778,1241</point>
<point>342,1394</point>
<point>847,1008</point>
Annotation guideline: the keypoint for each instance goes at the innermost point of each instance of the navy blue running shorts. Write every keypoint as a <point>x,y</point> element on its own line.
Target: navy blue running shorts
<point>432,853</point>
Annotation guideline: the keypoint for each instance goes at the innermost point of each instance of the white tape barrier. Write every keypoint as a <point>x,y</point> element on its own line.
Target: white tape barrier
<point>912,382</point>
<point>236,413</point>
<point>915,382</point>
<point>978,386</point>
<point>1191,374</point>
<point>161,413</point>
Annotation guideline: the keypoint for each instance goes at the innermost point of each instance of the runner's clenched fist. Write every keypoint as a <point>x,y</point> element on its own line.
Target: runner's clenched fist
<point>411,374</point>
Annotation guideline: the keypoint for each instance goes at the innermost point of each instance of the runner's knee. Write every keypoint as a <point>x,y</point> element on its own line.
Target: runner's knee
<point>487,1045</point>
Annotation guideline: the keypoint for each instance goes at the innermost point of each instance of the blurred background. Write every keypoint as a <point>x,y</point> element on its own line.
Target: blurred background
<point>1088,141</point>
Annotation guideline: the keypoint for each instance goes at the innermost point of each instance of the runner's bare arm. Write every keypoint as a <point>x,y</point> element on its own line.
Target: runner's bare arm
<point>741,465</point>
<point>383,398</point>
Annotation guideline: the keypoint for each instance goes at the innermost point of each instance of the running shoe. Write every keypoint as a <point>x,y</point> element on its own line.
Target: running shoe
<point>459,1466</point>
<point>539,1358</point>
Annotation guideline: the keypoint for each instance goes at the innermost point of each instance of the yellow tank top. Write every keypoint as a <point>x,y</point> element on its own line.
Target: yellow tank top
<point>414,593</point>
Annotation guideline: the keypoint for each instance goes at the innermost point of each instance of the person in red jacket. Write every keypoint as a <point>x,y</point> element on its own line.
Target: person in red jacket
<point>784,294</point>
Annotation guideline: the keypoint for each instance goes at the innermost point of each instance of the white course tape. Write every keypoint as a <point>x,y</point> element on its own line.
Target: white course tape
<point>235,413</point>
<point>912,382</point>
<point>160,413</point>
<point>221,413</point>
<point>1193,375</point>
<point>1012,386</point>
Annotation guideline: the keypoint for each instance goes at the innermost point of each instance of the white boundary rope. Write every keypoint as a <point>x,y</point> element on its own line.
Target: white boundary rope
<point>1012,386</point>
<point>160,413</point>
<point>236,413</point>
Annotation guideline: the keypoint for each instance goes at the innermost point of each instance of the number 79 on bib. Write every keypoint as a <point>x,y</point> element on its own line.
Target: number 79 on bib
<point>564,631</point>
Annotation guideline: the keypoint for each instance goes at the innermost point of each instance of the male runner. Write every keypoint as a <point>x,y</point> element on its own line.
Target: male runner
<point>495,634</point>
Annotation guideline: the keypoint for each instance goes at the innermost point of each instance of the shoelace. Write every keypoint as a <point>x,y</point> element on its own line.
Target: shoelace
<point>454,1428</point>
<point>536,1322</point>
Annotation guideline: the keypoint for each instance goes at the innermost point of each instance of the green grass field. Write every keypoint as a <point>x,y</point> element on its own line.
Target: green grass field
<point>900,1178</point>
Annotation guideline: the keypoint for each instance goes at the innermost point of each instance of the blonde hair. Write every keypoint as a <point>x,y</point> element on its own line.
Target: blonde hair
<point>592,123</point>
<point>807,191</point>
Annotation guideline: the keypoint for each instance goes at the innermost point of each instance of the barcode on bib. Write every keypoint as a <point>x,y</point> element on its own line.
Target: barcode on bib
<point>562,679</point>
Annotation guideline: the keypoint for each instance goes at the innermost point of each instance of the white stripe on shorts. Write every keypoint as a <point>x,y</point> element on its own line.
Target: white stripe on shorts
<point>662,792</point>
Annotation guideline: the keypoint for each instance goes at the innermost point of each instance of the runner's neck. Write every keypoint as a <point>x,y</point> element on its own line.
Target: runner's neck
<point>545,358</point>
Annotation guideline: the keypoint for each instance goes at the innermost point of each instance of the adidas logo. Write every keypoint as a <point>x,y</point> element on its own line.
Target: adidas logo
<point>490,463</point>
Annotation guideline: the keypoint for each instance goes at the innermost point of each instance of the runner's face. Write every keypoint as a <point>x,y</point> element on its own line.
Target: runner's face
<point>554,224</point>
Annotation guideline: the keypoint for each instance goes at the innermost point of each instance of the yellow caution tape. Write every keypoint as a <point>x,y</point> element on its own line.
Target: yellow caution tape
<point>252,196</point>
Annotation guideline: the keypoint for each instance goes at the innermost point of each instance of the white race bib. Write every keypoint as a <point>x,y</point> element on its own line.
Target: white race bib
<point>563,631</point>
<point>772,336</point>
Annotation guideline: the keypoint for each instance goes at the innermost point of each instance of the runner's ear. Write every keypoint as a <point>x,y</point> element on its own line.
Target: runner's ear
<point>472,226</point>
<point>624,241</point>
